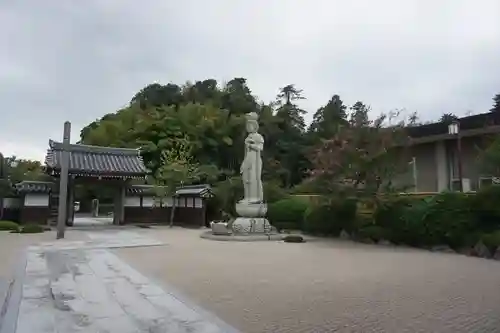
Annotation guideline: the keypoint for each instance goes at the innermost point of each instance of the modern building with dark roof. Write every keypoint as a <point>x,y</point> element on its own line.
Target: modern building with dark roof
<point>435,154</point>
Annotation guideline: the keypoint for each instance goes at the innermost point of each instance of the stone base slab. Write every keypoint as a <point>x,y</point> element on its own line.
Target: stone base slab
<point>249,225</point>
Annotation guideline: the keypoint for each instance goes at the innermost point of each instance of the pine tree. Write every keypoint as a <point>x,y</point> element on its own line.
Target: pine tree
<point>329,118</point>
<point>496,103</point>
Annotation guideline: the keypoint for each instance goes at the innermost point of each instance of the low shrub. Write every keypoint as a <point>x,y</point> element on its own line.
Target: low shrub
<point>331,217</point>
<point>287,213</point>
<point>273,192</point>
<point>485,207</point>
<point>373,232</point>
<point>446,218</point>
<point>449,220</point>
<point>491,240</point>
<point>31,229</point>
<point>8,226</point>
<point>229,191</point>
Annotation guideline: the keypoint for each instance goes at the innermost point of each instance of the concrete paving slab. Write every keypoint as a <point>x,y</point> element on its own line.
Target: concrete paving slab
<point>74,287</point>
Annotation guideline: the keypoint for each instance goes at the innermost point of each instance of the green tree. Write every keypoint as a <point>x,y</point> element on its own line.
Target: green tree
<point>362,158</point>
<point>157,95</point>
<point>329,118</point>
<point>290,161</point>
<point>496,103</point>
<point>17,170</point>
<point>237,97</point>
<point>448,118</point>
<point>291,116</point>
<point>359,116</point>
<point>489,158</point>
<point>179,168</point>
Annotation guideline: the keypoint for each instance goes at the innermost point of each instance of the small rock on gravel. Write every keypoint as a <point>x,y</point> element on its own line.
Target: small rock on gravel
<point>480,250</point>
<point>384,242</point>
<point>345,235</point>
<point>496,256</point>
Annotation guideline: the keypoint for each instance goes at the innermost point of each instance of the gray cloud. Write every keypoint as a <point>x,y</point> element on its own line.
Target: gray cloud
<point>77,60</point>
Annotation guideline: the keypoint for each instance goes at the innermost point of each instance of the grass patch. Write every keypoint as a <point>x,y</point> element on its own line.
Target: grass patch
<point>29,229</point>
<point>8,226</point>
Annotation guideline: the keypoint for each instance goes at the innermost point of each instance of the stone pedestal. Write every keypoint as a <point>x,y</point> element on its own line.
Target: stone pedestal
<point>220,228</point>
<point>252,219</point>
<point>251,225</point>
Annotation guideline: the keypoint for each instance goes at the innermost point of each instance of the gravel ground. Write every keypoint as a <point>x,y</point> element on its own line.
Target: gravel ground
<point>325,286</point>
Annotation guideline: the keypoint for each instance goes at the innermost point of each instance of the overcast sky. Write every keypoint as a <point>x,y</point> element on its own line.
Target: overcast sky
<point>78,60</point>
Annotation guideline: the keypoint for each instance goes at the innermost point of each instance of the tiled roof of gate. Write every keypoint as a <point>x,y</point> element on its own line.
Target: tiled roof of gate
<point>29,186</point>
<point>142,190</point>
<point>202,190</point>
<point>96,161</point>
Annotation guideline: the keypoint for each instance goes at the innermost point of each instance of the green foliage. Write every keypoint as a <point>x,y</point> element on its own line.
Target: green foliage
<point>6,188</point>
<point>331,217</point>
<point>403,217</point>
<point>446,218</point>
<point>311,186</point>
<point>328,120</point>
<point>31,229</point>
<point>273,192</point>
<point>287,213</point>
<point>293,239</point>
<point>226,194</point>
<point>342,143</point>
<point>486,208</point>
<point>229,191</point>
<point>496,103</point>
<point>491,240</point>
<point>449,219</point>
<point>364,156</point>
<point>16,170</point>
<point>448,118</point>
<point>373,232</point>
<point>319,220</point>
<point>489,158</point>
<point>8,226</point>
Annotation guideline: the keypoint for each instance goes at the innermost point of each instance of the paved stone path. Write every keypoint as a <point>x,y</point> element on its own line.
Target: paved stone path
<point>82,287</point>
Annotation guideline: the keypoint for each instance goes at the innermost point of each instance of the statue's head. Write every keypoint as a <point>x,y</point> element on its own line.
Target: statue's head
<point>252,122</point>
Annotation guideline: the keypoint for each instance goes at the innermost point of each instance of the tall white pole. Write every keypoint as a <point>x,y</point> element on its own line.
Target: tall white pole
<point>63,182</point>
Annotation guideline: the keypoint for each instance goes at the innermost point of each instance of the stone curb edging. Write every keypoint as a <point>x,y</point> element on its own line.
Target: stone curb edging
<point>10,308</point>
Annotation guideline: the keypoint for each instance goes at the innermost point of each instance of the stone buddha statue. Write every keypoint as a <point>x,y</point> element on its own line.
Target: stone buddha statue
<point>251,168</point>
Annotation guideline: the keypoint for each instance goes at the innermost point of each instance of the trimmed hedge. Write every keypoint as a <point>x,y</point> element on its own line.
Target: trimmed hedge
<point>331,217</point>
<point>491,240</point>
<point>229,191</point>
<point>449,218</point>
<point>287,213</point>
<point>8,226</point>
<point>31,229</point>
<point>486,208</point>
<point>373,232</point>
